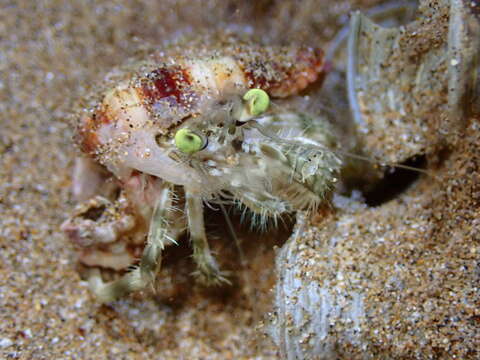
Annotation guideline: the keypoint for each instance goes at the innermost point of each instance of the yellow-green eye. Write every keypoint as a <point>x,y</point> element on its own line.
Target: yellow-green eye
<point>188,142</point>
<point>257,101</point>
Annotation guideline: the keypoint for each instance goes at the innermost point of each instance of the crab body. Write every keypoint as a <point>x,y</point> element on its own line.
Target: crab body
<point>183,129</point>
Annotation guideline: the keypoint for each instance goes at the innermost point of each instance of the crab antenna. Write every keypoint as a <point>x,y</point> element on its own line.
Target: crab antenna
<point>382,163</point>
<point>275,138</point>
<point>231,230</point>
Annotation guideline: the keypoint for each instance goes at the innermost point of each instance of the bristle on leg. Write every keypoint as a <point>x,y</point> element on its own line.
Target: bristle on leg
<point>144,274</point>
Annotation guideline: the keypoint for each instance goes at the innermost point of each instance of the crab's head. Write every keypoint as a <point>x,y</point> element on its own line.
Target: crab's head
<point>177,141</point>
<point>196,125</point>
<point>270,160</point>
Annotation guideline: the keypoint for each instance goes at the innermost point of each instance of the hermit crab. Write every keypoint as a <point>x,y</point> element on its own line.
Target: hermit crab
<point>188,128</point>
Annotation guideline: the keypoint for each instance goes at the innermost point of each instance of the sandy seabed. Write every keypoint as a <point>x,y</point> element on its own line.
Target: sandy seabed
<point>51,54</point>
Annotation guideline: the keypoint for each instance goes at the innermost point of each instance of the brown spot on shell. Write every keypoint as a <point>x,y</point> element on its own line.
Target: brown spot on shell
<point>165,82</point>
<point>292,76</point>
<point>169,96</point>
<point>86,135</point>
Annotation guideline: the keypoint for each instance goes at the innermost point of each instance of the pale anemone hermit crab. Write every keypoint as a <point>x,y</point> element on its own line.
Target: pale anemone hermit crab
<point>191,128</point>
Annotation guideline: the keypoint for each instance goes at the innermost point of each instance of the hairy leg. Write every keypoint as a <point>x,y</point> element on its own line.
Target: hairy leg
<point>208,271</point>
<point>145,273</point>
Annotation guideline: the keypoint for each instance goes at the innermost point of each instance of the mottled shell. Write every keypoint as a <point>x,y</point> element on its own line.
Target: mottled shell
<point>156,96</point>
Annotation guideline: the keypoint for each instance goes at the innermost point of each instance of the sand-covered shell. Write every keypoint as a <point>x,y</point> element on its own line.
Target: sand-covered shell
<point>368,283</point>
<point>155,96</point>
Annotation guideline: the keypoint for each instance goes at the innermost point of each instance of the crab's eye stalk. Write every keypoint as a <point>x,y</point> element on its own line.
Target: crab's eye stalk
<point>189,142</point>
<point>257,101</point>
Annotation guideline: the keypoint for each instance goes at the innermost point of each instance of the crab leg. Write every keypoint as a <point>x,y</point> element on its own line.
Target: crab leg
<point>208,270</point>
<point>145,273</point>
